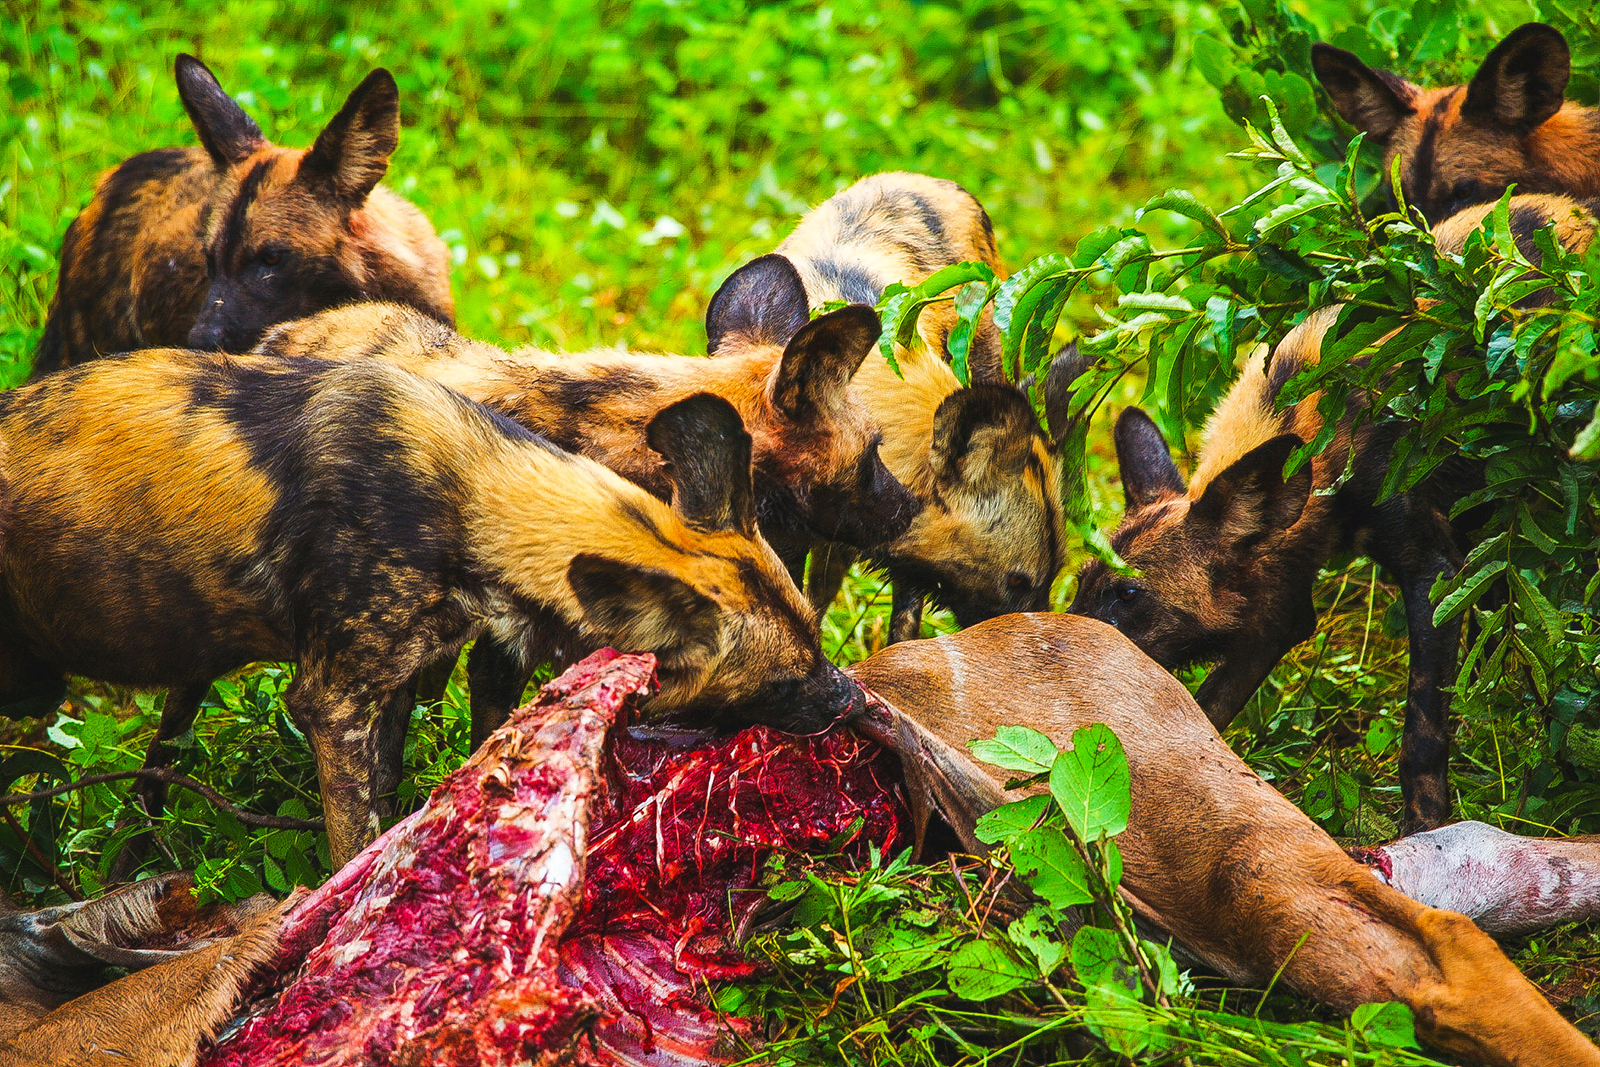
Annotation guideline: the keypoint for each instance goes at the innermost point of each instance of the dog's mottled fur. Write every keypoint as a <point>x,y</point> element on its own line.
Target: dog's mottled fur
<point>171,516</point>
<point>1461,145</point>
<point>987,538</point>
<point>209,246</point>
<point>818,473</point>
<point>1229,560</point>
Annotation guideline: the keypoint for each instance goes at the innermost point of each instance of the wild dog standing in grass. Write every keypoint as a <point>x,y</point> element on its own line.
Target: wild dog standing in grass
<point>1465,144</point>
<point>171,516</point>
<point>817,468</point>
<point>209,246</point>
<point>987,539</point>
<point>1228,562</point>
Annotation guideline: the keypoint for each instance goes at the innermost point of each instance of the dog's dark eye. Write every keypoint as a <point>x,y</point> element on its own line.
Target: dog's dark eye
<point>1019,582</point>
<point>1128,593</point>
<point>270,257</point>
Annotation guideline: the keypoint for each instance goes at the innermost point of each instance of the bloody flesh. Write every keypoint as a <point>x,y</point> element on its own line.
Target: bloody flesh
<point>569,876</point>
<point>679,846</point>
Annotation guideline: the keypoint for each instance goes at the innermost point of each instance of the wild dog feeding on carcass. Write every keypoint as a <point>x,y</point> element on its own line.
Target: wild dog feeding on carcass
<point>597,878</point>
<point>987,539</point>
<point>817,471</point>
<point>1227,563</point>
<point>172,516</point>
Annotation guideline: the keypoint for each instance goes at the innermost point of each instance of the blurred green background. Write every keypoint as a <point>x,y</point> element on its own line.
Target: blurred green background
<point>598,167</point>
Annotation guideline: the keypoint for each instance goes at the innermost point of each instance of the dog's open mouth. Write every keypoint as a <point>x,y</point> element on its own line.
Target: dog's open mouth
<point>570,892</point>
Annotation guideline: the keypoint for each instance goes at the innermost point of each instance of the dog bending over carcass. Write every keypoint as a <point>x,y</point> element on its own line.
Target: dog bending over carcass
<point>565,840</point>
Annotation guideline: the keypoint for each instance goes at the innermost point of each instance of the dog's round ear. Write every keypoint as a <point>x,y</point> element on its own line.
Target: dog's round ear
<point>821,358</point>
<point>1251,500</point>
<point>228,135</point>
<point>1145,461</point>
<point>351,154</point>
<point>1373,101</point>
<point>762,303</point>
<point>1523,80</point>
<point>707,454</point>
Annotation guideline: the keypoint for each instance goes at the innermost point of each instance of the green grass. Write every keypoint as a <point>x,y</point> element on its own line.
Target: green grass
<point>597,168</point>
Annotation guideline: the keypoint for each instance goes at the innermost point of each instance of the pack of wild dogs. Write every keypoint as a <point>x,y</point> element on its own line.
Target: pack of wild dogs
<point>253,434</point>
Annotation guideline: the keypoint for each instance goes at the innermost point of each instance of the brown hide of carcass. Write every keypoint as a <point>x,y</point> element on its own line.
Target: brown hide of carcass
<point>153,1018</point>
<point>1213,853</point>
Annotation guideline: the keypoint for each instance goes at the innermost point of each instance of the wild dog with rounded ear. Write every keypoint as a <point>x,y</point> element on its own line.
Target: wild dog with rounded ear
<point>209,246</point>
<point>172,516</point>
<point>1212,855</point>
<point>987,539</point>
<point>1466,144</point>
<point>817,469</point>
<point>1228,562</point>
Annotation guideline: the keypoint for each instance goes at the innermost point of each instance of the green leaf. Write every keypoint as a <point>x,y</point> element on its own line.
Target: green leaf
<point>1586,446</point>
<point>981,970</point>
<point>1214,60</point>
<point>1092,785</point>
<point>1466,589</point>
<point>1097,959</point>
<point>1010,820</point>
<point>901,308</point>
<point>895,949</point>
<point>1111,986</point>
<point>969,306</point>
<point>1187,204</point>
<point>1039,932</point>
<point>1548,618</point>
<point>1575,354</point>
<point>1388,1024</point>
<point>1017,748</point>
<point>1052,868</point>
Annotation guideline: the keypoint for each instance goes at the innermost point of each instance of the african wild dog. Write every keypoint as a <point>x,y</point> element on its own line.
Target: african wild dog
<point>817,469</point>
<point>171,516</point>
<point>209,246</point>
<point>1574,218</point>
<point>1228,562</point>
<point>1465,144</point>
<point>987,538</point>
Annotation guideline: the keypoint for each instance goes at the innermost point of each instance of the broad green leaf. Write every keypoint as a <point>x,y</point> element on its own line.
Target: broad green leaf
<point>1111,986</point>
<point>969,305</point>
<point>1009,820</point>
<point>1539,607</point>
<point>1039,932</point>
<point>1016,748</point>
<point>1586,446</point>
<point>1098,959</point>
<point>1156,302</point>
<point>1092,785</point>
<point>1187,204</point>
<point>1466,592</point>
<point>1052,868</point>
<point>1388,1023</point>
<point>895,949</point>
<point>981,970</point>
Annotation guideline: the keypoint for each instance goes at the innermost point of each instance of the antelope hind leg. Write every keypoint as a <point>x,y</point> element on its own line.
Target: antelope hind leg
<point>1212,853</point>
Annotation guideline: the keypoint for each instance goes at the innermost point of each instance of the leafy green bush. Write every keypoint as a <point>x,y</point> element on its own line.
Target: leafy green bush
<point>1474,375</point>
<point>958,965</point>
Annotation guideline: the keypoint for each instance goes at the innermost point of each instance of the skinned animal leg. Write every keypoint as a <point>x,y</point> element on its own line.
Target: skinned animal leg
<point>1505,883</point>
